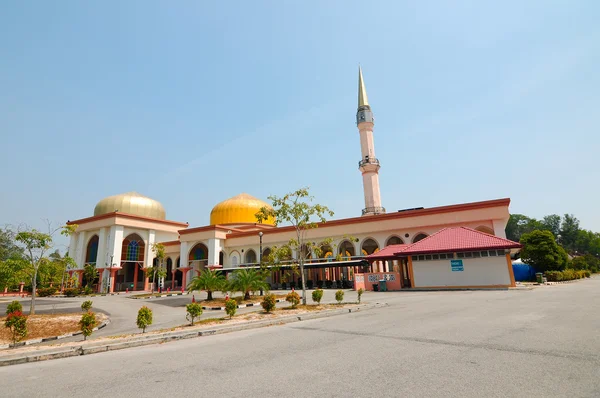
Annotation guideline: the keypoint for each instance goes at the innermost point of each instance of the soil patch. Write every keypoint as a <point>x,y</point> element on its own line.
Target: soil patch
<point>40,326</point>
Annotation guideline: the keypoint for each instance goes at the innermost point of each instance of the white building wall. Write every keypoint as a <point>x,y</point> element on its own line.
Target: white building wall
<point>477,272</point>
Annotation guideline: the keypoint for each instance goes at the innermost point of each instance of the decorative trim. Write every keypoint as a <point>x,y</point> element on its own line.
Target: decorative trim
<point>125,215</point>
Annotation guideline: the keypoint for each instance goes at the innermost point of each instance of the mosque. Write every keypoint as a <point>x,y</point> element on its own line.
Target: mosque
<point>413,246</point>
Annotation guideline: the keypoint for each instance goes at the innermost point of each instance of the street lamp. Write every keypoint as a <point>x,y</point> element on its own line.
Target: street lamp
<point>109,279</point>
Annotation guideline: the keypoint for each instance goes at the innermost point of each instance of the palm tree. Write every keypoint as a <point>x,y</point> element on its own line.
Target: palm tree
<point>248,280</point>
<point>208,280</point>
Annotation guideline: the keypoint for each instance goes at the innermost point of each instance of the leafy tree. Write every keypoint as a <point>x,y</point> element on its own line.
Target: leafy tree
<point>269,302</point>
<point>158,271</point>
<point>194,310</point>
<point>297,209</point>
<point>293,299</point>
<point>339,296</point>
<point>248,280</point>
<point>87,324</point>
<point>317,295</point>
<point>12,271</point>
<point>551,223</point>
<point>8,248</point>
<point>541,251</point>
<point>569,230</point>
<point>209,280</point>
<point>518,224</point>
<point>14,306</point>
<point>230,307</point>
<point>144,318</point>
<point>17,323</point>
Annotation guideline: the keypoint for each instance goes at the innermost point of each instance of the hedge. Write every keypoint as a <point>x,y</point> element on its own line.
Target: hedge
<point>566,275</point>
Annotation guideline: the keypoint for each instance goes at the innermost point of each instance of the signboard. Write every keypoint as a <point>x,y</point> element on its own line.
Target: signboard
<point>457,265</point>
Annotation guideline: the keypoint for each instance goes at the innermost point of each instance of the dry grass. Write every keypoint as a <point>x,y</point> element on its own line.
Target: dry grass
<point>220,302</point>
<point>40,326</point>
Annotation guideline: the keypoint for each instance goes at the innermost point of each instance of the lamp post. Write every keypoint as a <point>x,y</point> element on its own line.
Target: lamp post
<point>260,234</point>
<point>109,279</point>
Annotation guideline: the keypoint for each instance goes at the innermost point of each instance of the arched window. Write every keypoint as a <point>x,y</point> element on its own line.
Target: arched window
<point>198,252</point>
<point>250,257</point>
<point>369,246</point>
<point>92,250</point>
<point>346,250</point>
<point>133,249</point>
<point>221,257</point>
<point>234,259</point>
<point>266,254</point>
<point>419,237</point>
<point>394,240</point>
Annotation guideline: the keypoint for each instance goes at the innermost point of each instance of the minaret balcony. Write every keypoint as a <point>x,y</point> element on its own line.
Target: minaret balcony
<point>369,161</point>
<point>373,210</point>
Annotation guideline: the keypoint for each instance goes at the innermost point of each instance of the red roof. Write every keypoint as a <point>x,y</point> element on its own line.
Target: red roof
<point>457,239</point>
<point>386,253</point>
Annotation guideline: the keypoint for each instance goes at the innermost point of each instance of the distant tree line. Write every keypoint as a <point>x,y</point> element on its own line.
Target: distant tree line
<point>555,243</point>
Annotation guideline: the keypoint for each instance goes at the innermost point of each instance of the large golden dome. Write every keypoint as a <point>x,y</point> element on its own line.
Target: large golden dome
<point>131,203</point>
<point>240,209</point>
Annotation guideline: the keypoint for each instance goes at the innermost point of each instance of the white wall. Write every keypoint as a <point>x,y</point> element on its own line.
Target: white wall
<point>477,272</point>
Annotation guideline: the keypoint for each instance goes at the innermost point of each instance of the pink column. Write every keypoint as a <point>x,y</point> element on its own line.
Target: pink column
<point>135,277</point>
<point>113,274</point>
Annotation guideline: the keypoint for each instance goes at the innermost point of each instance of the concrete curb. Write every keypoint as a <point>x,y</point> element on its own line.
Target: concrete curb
<point>162,295</point>
<point>65,352</point>
<point>239,306</point>
<point>45,339</point>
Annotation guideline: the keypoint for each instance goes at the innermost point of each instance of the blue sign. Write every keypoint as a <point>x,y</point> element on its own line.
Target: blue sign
<point>457,265</point>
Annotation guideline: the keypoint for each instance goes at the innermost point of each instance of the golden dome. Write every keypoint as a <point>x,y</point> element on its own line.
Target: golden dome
<point>240,209</point>
<point>131,203</point>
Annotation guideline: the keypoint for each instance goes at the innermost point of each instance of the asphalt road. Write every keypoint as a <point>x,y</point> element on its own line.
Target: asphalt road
<point>537,343</point>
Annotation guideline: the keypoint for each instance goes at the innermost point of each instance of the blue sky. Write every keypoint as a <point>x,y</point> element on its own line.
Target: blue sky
<point>192,102</point>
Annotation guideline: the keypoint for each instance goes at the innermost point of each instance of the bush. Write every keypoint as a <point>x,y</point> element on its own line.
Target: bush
<point>230,307</point>
<point>71,292</point>
<point>14,307</point>
<point>87,290</point>
<point>17,323</point>
<point>269,302</point>
<point>328,284</point>
<point>339,296</point>
<point>587,274</point>
<point>293,298</point>
<point>86,305</point>
<point>566,275</point>
<point>87,322</point>
<point>194,310</point>
<point>46,291</point>
<point>360,293</point>
<point>144,318</point>
<point>317,296</point>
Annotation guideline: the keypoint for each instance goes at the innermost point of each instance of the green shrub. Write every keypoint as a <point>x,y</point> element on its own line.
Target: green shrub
<point>293,298</point>
<point>269,302</point>
<point>339,296</point>
<point>17,323</point>
<point>86,305</point>
<point>194,310</point>
<point>14,307</point>
<point>230,307</point>
<point>587,274</point>
<point>46,291</point>
<point>87,323</point>
<point>87,290</point>
<point>360,293</point>
<point>144,318</point>
<point>71,292</point>
<point>317,296</point>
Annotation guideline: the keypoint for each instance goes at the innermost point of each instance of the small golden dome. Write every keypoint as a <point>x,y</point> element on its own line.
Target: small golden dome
<point>131,203</point>
<point>240,209</point>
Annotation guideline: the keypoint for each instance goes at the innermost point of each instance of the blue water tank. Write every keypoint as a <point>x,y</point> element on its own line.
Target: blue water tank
<point>523,272</point>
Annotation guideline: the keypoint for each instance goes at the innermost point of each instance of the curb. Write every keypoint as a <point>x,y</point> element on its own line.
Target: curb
<point>162,295</point>
<point>65,352</point>
<point>46,339</point>
<point>239,306</point>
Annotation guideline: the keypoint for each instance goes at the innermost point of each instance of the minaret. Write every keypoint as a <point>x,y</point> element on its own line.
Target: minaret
<point>368,165</point>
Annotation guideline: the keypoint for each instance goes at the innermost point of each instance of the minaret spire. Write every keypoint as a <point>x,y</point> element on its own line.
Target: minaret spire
<point>369,164</point>
<point>362,91</point>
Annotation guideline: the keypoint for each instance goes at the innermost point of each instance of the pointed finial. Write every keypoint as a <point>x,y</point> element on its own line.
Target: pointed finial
<point>362,92</point>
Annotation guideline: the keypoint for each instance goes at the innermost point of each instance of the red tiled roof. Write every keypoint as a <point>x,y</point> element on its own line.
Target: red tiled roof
<point>457,239</point>
<point>386,253</point>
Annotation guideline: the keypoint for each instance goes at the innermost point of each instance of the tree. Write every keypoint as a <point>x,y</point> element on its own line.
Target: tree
<point>144,318</point>
<point>194,310</point>
<point>541,251</point>
<point>569,229</point>
<point>551,223</point>
<point>35,244</point>
<point>16,322</point>
<point>209,280</point>
<point>87,324</point>
<point>297,209</point>
<point>230,307</point>
<point>8,248</point>
<point>158,271</point>
<point>518,224</point>
<point>248,280</point>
